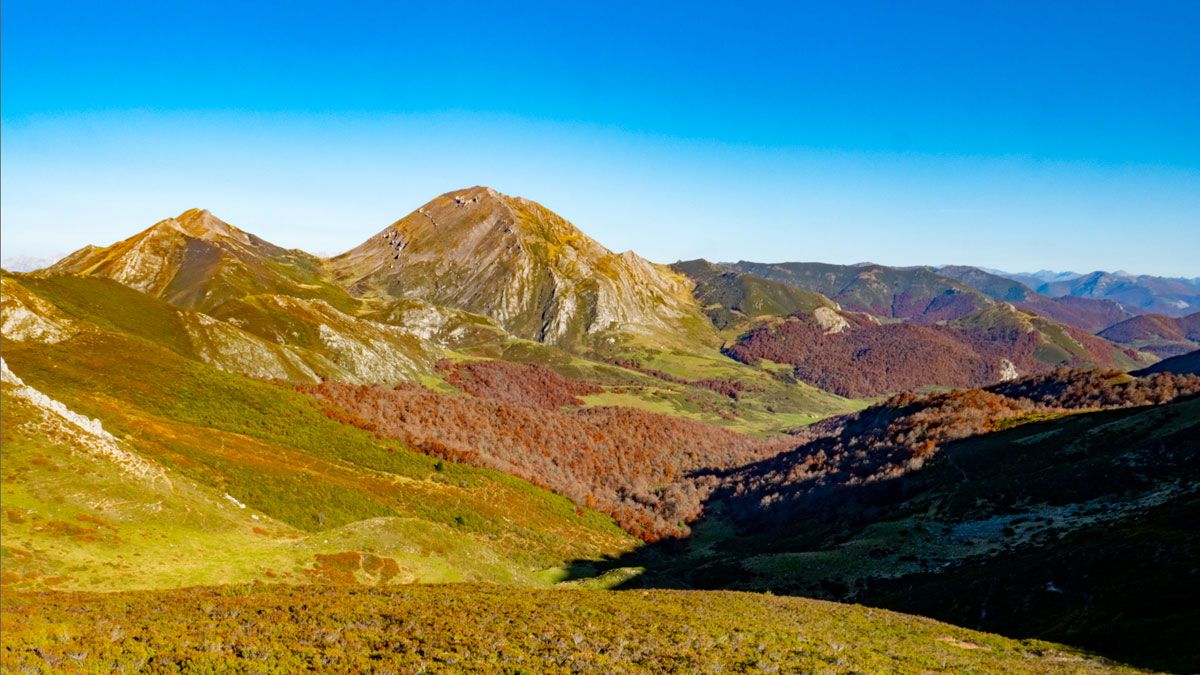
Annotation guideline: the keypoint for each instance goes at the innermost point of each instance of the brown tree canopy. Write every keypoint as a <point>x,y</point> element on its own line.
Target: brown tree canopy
<point>631,464</point>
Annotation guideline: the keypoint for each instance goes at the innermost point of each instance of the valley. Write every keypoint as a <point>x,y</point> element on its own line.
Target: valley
<point>481,395</point>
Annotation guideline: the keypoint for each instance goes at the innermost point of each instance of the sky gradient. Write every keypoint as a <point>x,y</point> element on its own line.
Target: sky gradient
<point>1006,134</point>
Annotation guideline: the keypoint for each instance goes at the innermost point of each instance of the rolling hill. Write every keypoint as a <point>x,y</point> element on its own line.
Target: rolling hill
<point>886,292</point>
<point>1160,335</point>
<point>1089,314</point>
<point>859,356</point>
<point>1086,314</point>
<point>730,299</point>
<point>933,294</point>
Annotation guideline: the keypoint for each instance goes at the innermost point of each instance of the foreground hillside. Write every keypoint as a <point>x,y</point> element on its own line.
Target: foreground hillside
<point>490,629</point>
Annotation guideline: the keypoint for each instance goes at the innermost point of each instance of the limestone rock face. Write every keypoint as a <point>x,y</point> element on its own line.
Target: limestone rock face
<point>523,266</point>
<point>24,316</point>
<point>1008,371</point>
<point>829,320</point>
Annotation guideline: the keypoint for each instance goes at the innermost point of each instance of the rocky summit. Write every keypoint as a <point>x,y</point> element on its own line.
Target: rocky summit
<point>525,267</point>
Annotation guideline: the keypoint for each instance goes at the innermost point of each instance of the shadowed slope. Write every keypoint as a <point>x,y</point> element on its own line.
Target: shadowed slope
<point>1037,521</point>
<point>1184,364</point>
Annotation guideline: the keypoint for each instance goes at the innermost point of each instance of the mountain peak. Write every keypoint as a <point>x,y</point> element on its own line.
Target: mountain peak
<point>519,263</point>
<point>201,224</point>
<point>195,260</point>
<point>194,213</point>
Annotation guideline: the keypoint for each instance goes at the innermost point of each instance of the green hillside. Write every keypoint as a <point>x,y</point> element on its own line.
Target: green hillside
<point>205,442</point>
<point>891,292</point>
<point>731,298</point>
<point>995,286</point>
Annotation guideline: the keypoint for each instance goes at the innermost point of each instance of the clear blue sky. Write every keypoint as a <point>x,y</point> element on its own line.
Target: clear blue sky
<point>1018,135</point>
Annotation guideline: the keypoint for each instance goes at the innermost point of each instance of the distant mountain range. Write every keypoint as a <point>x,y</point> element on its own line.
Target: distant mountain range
<point>1138,294</point>
<point>24,263</point>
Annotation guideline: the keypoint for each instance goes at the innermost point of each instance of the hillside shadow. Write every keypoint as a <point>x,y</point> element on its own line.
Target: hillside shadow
<point>1123,588</point>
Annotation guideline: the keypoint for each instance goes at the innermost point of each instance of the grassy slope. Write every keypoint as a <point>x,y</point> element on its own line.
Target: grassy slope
<point>370,352</point>
<point>489,629</point>
<point>284,332</point>
<point>315,485</point>
<point>771,403</point>
<point>894,292</point>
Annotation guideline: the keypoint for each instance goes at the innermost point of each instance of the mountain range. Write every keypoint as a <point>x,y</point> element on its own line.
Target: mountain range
<point>475,265</point>
<point>1139,294</point>
<point>480,392</point>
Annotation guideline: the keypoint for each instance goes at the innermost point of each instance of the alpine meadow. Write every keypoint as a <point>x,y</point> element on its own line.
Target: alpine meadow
<point>280,436</point>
